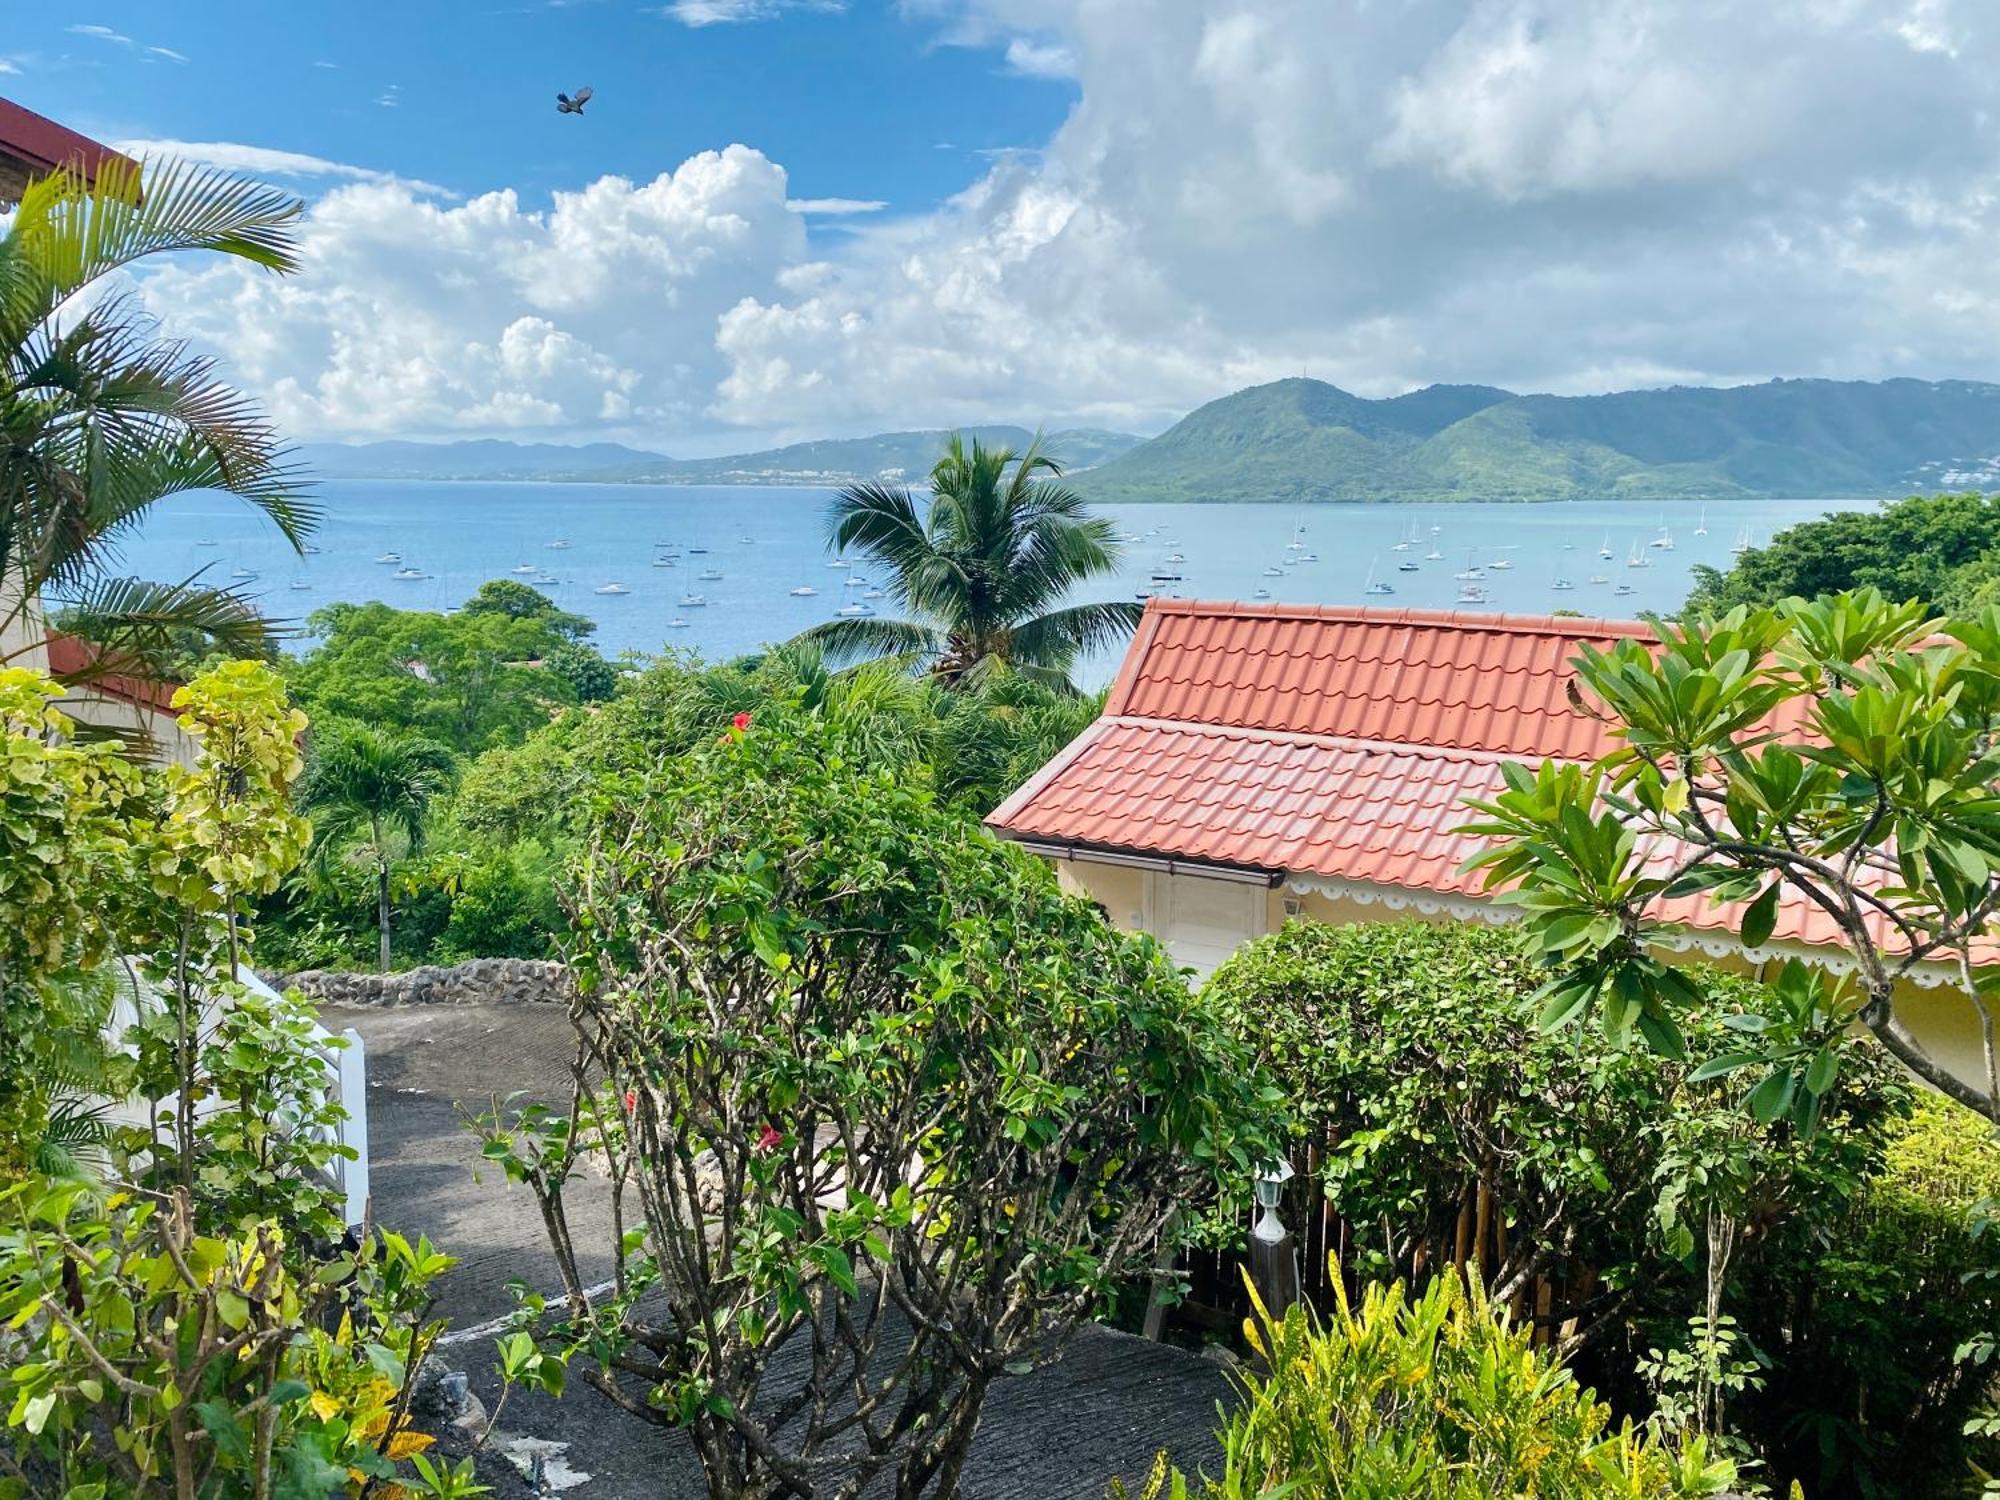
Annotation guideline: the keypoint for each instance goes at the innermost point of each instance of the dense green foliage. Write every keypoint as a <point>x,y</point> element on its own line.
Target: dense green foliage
<point>1414,1056</point>
<point>797,968</point>
<point>369,792</point>
<point>982,571</point>
<point>1452,1129</point>
<point>1864,1320</point>
<point>101,419</point>
<point>1941,549</point>
<point>1429,1397</point>
<point>170,1313</point>
<point>470,680</point>
<point>1306,440</point>
<point>478,882</point>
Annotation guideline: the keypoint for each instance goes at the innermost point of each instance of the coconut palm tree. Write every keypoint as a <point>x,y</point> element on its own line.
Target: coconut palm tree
<point>101,419</point>
<point>369,791</point>
<point>980,574</point>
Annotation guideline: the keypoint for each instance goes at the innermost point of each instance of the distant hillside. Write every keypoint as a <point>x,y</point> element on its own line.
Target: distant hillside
<point>888,455</point>
<point>1308,441</point>
<point>902,456</point>
<point>471,460</point>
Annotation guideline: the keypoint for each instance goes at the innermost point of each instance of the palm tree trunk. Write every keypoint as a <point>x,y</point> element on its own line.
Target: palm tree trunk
<point>382,911</point>
<point>381,890</point>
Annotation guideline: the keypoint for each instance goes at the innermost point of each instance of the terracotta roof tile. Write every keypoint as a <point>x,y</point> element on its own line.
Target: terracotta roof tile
<point>1341,743</point>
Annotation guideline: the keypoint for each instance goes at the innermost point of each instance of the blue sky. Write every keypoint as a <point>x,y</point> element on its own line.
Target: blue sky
<point>862,103</point>
<point>794,218</point>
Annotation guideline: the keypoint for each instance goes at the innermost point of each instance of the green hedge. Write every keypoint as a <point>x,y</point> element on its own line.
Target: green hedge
<point>1863,1322</point>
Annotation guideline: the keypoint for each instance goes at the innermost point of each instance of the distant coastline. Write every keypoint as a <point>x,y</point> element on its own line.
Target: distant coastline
<point>1304,442</point>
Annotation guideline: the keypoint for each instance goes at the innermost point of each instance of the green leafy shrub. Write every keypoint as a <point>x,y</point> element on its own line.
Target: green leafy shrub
<point>1865,1320</point>
<point>1412,1051</point>
<point>883,1108</point>
<point>1428,1398</point>
<point>145,1352</point>
<point>188,1318</point>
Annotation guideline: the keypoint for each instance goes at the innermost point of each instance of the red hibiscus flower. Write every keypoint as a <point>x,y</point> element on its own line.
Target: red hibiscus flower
<point>768,1141</point>
<point>740,723</point>
<point>631,1100</point>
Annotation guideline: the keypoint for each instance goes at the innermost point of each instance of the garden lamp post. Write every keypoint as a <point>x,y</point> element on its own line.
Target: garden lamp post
<point>1274,1260</point>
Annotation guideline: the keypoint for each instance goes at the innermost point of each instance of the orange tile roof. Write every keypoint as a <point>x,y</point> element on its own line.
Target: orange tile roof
<point>1339,743</point>
<point>71,656</point>
<point>1416,677</point>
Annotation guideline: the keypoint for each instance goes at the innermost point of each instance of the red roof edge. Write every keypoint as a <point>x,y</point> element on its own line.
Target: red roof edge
<point>45,145</point>
<point>1135,653</point>
<point>71,654</point>
<point>1455,619</point>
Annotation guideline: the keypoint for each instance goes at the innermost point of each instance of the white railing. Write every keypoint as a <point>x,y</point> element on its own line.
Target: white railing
<point>347,1086</point>
<point>346,1069</point>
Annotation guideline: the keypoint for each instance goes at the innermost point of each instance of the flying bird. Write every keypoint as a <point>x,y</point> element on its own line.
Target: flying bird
<point>565,105</point>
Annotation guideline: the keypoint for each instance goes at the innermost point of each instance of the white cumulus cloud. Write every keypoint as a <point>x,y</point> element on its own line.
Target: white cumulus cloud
<point>734,12</point>
<point>265,161</point>
<point>1534,193</point>
<point>410,316</point>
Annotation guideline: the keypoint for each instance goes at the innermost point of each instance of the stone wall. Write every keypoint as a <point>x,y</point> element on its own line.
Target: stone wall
<point>504,981</point>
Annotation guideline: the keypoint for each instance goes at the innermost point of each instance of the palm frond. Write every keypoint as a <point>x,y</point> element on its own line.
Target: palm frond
<point>1057,638</point>
<point>853,640</point>
<point>143,629</point>
<point>74,1137</point>
<point>358,777</point>
<point>71,232</point>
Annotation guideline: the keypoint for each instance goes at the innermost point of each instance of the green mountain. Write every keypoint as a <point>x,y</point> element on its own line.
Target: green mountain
<point>888,455</point>
<point>486,459</point>
<point>905,456</point>
<point>1304,440</point>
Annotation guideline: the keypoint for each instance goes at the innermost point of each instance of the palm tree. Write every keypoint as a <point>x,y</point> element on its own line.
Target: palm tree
<point>101,419</point>
<point>367,790</point>
<point>981,574</point>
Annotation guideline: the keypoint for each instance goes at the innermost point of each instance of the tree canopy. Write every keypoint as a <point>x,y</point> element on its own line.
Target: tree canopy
<point>470,680</point>
<point>982,572</point>
<point>1943,550</point>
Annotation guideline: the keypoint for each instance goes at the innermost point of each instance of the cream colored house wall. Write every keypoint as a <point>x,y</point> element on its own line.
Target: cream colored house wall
<point>24,634</point>
<point>166,743</point>
<point>1942,1018</point>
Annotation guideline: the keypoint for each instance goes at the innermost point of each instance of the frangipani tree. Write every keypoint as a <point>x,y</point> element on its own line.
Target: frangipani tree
<point>1839,753</point>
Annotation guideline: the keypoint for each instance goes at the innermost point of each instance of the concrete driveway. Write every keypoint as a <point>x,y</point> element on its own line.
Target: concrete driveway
<point>1104,1409</point>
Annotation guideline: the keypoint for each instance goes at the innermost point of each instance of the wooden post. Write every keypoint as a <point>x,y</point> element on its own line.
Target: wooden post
<point>1274,1253</point>
<point>1274,1269</point>
<point>1163,1267</point>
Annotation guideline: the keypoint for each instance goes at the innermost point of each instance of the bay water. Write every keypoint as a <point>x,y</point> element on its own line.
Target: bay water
<point>765,543</point>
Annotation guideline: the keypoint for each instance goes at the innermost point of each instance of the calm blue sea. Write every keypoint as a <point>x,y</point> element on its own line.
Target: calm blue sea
<point>766,542</point>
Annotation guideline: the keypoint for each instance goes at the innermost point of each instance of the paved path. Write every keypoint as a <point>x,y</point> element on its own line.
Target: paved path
<point>1059,1434</point>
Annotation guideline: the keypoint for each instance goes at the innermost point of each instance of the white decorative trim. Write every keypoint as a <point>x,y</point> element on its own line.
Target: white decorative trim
<point>1675,939</point>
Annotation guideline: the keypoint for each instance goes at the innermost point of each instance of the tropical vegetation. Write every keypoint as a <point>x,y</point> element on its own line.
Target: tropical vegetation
<point>101,418</point>
<point>369,793</point>
<point>1690,1262</point>
<point>889,1114</point>
<point>177,1310</point>
<point>527,750</point>
<point>982,570</point>
<point>1837,752</point>
<point>1942,550</point>
<point>1427,1397</point>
